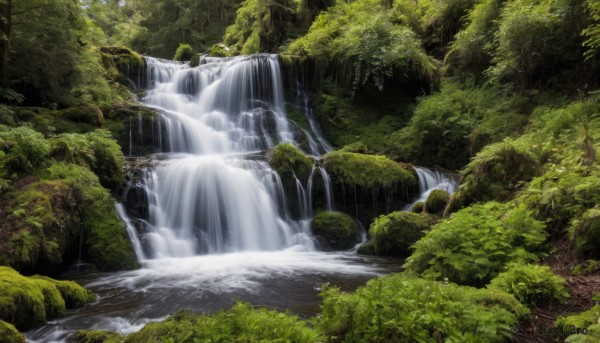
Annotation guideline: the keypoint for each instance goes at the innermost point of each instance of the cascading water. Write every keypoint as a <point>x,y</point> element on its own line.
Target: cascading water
<point>430,180</point>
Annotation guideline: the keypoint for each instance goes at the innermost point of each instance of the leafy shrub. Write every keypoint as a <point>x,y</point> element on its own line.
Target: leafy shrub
<point>89,114</point>
<point>336,230</point>
<point>397,308</point>
<point>183,53</point>
<point>587,320</point>
<point>476,243</point>
<point>531,284</point>
<point>436,201</point>
<point>241,323</point>
<point>584,233</point>
<point>496,173</point>
<point>394,233</point>
<point>363,36</point>
<point>23,150</point>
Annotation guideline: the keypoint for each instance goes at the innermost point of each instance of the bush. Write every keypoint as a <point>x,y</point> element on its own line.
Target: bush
<point>241,323</point>
<point>183,53</point>
<point>476,243</point>
<point>587,320</point>
<point>291,163</point>
<point>10,334</point>
<point>394,233</point>
<point>23,150</point>
<point>436,201</point>
<point>337,230</point>
<point>584,233</point>
<point>397,308</point>
<point>496,173</point>
<point>531,284</point>
<point>89,114</point>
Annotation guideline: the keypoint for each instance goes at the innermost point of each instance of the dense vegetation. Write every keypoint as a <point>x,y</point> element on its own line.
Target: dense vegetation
<point>503,92</point>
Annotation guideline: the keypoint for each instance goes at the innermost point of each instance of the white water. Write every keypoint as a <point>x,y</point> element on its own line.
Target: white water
<point>430,180</point>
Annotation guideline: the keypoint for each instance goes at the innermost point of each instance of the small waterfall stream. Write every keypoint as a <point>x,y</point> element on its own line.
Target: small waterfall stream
<point>430,180</point>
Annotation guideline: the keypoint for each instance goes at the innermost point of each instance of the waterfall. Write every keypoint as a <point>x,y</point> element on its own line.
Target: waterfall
<point>207,194</point>
<point>430,180</point>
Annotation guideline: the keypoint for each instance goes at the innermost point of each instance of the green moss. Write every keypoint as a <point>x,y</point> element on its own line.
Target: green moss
<point>476,243</point>
<point>396,232</point>
<point>367,171</point>
<point>74,295</point>
<point>336,230</point>
<point>418,207</point>
<point>89,114</point>
<point>219,50</point>
<point>531,284</point>
<point>10,334</point>
<point>588,320</point>
<point>95,336</point>
<point>436,201</point>
<point>584,233</point>
<point>23,150</point>
<point>289,161</point>
<point>26,302</point>
<point>195,61</point>
<point>116,56</point>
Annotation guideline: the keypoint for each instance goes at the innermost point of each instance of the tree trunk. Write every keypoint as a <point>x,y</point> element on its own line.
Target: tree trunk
<point>5,28</point>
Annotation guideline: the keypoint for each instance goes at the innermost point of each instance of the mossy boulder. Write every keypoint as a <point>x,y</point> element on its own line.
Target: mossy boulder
<point>122,63</point>
<point>95,336</point>
<point>335,230</point>
<point>395,233</point>
<point>584,233</point>
<point>496,173</point>
<point>369,185</point>
<point>27,302</point>
<point>10,334</point>
<point>89,114</point>
<point>74,296</point>
<point>436,201</point>
<point>418,207</point>
<point>291,163</point>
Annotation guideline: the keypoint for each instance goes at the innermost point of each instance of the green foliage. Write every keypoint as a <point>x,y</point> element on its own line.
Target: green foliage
<point>10,334</point>
<point>450,126</point>
<point>496,173</point>
<point>584,233</point>
<point>95,336</point>
<point>577,322</point>
<point>364,36</point>
<point>337,230</point>
<point>23,150</point>
<point>184,52</point>
<point>89,114</point>
<point>397,308</point>
<point>476,243</point>
<point>241,323</point>
<point>395,233</point>
<point>531,284</point>
<point>367,171</point>
<point>291,163</point>
<point>592,32</point>
<point>436,201</point>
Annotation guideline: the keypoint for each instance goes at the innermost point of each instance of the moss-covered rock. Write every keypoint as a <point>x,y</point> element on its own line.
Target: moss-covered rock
<point>10,334</point>
<point>418,207</point>
<point>369,185</point>
<point>335,230</point>
<point>496,173</point>
<point>290,163</point>
<point>395,233</point>
<point>122,63</point>
<point>89,114</point>
<point>367,171</point>
<point>584,233</point>
<point>584,326</point>
<point>436,201</point>
<point>74,296</point>
<point>27,302</point>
